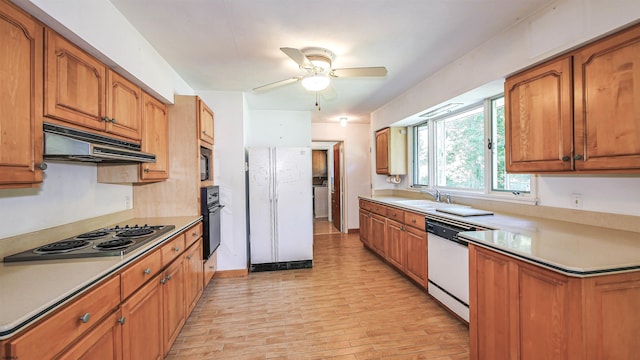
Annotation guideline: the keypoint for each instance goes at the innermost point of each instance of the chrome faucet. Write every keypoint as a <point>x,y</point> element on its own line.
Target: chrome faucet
<point>448,197</point>
<point>435,193</point>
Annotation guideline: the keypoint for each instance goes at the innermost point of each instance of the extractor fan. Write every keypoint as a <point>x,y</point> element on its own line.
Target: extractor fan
<point>316,66</point>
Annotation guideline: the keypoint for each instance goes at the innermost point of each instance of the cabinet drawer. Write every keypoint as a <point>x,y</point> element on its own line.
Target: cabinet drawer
<point>379,209</point>
<point>61,329</point>
<point>171,250</point>
<point>395,214</point>
<point>366,205</point>
<point>138,273</point>
<point>193,233</point>
<point>414,220</point>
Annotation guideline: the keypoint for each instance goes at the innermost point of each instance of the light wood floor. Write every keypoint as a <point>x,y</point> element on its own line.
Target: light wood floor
<point>349,306</point>
<point>322,226</point>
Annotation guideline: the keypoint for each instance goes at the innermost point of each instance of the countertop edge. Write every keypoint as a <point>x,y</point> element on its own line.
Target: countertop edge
<point>10,329</point>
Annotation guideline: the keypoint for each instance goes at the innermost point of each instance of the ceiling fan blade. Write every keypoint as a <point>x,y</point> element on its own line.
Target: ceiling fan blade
<point>356,72</point>
<point>278,84</point>
<point>297,56</point>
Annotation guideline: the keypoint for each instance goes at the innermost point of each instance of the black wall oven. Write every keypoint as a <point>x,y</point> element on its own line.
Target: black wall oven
<point>210,208</point>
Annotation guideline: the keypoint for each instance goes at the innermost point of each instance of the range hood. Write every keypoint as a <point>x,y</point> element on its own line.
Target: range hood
<point>63,143</point>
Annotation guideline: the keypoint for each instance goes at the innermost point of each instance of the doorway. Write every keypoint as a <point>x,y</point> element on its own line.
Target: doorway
<point>329,187</point>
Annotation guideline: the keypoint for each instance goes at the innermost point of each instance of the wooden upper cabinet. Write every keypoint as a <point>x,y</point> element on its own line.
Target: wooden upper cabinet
<point>21,69</point>
<point>538,118</point>
<point>81,91</point>
<point>124,107</point>
<point>205,122</point>
<point>75,84</point>
<point>155,139</point>
<point>391,151</point>
<point>382,151</point>
<point>607,95</point>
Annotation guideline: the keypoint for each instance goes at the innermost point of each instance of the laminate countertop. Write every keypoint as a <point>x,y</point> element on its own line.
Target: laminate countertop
<point>33,289</point>
<point>569,248</point>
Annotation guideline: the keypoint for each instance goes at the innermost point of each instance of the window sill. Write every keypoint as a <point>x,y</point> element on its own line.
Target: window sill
<point>529,199</point>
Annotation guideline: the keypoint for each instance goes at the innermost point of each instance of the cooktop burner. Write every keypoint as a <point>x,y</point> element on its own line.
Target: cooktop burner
<point>115,241</point>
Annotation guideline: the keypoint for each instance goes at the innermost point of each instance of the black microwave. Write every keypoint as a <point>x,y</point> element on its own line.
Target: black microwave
<point>205,164</point>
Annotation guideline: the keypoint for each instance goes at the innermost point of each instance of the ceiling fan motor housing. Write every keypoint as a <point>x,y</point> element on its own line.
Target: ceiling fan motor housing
<point>321,59</point>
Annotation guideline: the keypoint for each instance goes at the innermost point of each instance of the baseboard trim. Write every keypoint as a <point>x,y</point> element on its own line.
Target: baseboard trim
<point>353,231</point>
<point>288,265</point>
<point>231,273</point>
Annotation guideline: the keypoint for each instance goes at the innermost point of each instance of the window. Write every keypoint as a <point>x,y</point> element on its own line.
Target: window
<point>452,151</point>
<point>501,181</point>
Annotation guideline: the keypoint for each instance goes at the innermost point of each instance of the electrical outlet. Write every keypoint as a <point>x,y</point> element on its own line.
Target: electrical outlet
<point>576,201</point>
<point>127,202</point>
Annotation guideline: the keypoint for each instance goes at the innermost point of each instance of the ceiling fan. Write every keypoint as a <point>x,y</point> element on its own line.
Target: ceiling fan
<point>316,64</point>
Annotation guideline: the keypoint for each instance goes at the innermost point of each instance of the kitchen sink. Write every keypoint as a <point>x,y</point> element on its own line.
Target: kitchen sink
<point>427,204</point>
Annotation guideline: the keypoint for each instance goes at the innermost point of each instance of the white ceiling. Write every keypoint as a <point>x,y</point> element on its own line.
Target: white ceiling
<point>234,45</point>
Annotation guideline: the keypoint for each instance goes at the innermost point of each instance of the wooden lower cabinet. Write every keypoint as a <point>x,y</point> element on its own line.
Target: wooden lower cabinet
<point>104,342</point>
<point>521,311</point>
<point>395,249</point>
<point>416,255</point>
<point>377,239</point>
<point>193,275</point>
<point>142,328</point>
<point>174,305</point>
<point>365,224</point>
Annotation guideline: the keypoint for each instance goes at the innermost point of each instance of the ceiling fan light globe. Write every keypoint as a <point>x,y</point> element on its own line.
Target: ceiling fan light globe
<point>316,82</point>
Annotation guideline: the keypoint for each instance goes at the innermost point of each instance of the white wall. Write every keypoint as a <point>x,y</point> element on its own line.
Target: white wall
<point>229,174</point>
<point>69,193</point>
<point>564,25</point>
<point>279,128</point>
<point>99,28</point>
<point>356,138</point>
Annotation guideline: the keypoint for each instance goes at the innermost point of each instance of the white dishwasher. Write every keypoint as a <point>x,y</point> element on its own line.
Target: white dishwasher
<point>448,266</point>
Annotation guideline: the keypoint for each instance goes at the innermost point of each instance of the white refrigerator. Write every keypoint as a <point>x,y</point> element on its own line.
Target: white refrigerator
<point>280,208</point>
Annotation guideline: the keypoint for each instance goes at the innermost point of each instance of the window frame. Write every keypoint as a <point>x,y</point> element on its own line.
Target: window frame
<point>487,192</point>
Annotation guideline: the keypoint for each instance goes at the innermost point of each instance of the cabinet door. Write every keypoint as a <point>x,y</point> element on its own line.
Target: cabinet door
<point>365,219</point>
<point>395,250</point>
<point>607,93</point>
<point>104,342</point>
<point>382,152</point>
<point>124,107</point>
<point>416,249</point>
<point>142,329</point>
<point>539,118</point>
<point>205,122</point>
<point>174,306</point>
<point>490,307</point>
<point>544,313</point>
<point>194,275</point>
<point>155,139</point>
<point>378,231</point>
<point>21,42</point>
<point>75,84</point>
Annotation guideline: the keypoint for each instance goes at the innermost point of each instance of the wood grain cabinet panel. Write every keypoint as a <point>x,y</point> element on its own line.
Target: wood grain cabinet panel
<point>365,224</point>
<point>104,342</point>
<point>206,122</point>
<point>124,107</point>
<point>193,275</point>
<point>193,234</point>
<point>68,324</point>
<point>416,255</point>
<point>174,303</point>
<point>391,151</point>
<point>142,332</point>
<point>378,234</point>
<point>139,273</point>
<point>155,135</point>
<point>607,93</point>
<point>382,151</point>
<point>395,244</point>
<point>21,72</point>
<point>539,119</point>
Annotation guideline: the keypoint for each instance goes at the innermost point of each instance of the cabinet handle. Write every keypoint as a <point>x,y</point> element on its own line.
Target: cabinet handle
<point>577,157</point>
<point>195,234</point>
<point>413,221</point>
<point>122,320</point>
<point>188,257</point>
<point>147,271</point>
<point>168,277</point>
<point>43,166</point>
<point>163,280</point>
<point>85,318</point>
<point>146,169</point>
<point>566,158</point>
<point>105,119</point>
<point>176,249</point>
<point>113,121</point>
